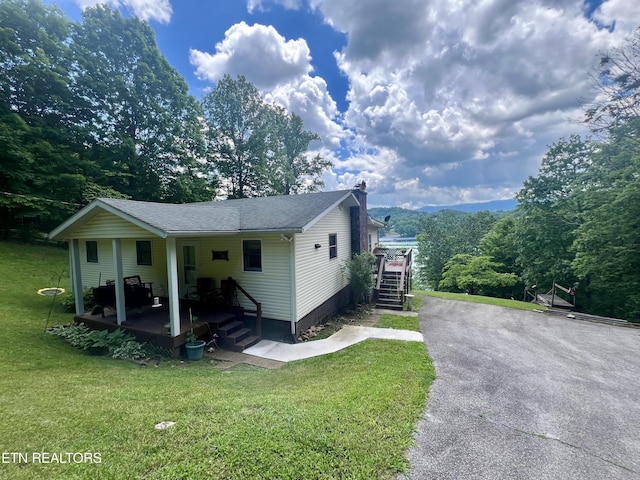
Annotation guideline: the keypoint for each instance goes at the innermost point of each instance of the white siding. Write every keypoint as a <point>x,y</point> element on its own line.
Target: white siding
<point>107,225</point>
<point>374,237</point>
<point>318,277</point>
<point>94,274</point>
<point>271,287</point>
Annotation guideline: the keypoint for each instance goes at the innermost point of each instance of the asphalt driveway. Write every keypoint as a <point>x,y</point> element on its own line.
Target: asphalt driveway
<point>522,395</point>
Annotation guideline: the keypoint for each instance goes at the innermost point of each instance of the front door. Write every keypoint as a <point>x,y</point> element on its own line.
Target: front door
<point>187,267</point>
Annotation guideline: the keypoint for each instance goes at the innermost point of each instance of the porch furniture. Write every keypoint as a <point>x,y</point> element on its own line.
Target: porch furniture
<point>203,291</point>
<point>137,293</point>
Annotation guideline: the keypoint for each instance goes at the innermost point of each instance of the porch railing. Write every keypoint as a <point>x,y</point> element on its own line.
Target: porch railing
<point>397,260</point>
<point>258,306</point>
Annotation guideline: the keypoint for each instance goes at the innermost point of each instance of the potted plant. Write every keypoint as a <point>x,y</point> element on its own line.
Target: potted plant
<point>195,347</point>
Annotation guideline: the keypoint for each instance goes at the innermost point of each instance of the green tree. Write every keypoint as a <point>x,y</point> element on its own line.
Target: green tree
<point>617,83</point>
<point>39,170</point>
<point>550,212</point>
<point>237,122</point>
<point>476,275</point>
<point>607,243</point>
<point>142,125</point>
<point>289,169</point>
<point>360,272</point>
<point>445,234</point>
<point>34,59</point>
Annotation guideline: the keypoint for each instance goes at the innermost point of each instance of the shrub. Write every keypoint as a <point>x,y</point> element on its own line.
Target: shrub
<point>360,270</point>
<point>130,350</point>
<point>76,335</point>
<point>68,301</point>
<point>118,344</point>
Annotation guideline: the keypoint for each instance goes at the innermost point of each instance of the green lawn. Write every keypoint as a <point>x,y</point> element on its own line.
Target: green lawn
<point>501,302</point>
<point>347,415</point>
<point>398,321</point>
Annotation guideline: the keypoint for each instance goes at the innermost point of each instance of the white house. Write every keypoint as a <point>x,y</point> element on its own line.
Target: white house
<point>286,252</point>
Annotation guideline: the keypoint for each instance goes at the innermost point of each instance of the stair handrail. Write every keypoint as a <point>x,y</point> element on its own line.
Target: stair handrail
<point>406,255</point>
<point>383,260</point>
<point>257,311</point>
<point>406,269</point>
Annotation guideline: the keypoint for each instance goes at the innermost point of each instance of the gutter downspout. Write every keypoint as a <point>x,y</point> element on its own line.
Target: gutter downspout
<point>292,276</point>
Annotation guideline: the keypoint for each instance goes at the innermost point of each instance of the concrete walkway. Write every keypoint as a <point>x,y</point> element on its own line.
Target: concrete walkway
<point>345,337</point>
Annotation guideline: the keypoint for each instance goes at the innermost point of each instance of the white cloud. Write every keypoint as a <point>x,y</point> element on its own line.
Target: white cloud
<point>158,10</point>
<point>482,86</point>
<point>253,5</point>
<point>258,52</point>
<point>309,98</point>
<point>453,101</point>
<point>280,68</point>
<point>623,13</point>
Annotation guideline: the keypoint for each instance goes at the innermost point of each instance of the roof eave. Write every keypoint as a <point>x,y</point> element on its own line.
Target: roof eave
<point>346,196</point>
<point>210,233</point>
<point>87,213</point>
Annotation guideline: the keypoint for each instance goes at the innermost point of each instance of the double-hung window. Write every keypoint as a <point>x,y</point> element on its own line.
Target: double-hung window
<point>252,255</point>
<point>92,251</point>
<point>143,252</point>
<point>333,245</point>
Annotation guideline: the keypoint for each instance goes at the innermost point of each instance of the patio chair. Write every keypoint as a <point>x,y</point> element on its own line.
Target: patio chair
<point>203,291</point>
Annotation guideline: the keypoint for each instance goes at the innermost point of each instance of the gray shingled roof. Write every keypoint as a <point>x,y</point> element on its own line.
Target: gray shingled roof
<point>286,213</point>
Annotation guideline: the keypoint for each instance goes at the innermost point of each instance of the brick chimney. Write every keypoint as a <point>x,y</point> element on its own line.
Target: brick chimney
<point>359,216</point>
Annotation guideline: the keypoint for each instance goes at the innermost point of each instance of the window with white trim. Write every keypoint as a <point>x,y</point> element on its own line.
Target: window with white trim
<point>252,255</point>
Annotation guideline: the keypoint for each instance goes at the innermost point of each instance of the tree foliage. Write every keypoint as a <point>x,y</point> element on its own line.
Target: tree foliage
<point>90,109</point>
<point>290,170</point>
<point>359,271</point>
<point>607,244</point>
<point>34,59</point>
<point>130,100</point>
<point>551,212</point>
<point>445,234</point>
<point>476,275</point>
<point>617,83</point>
<point>258,149</point>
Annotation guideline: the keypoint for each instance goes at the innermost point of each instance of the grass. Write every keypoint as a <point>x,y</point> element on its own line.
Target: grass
<point>400,322</point>
<point>350,414</point>
<point>501,302</point>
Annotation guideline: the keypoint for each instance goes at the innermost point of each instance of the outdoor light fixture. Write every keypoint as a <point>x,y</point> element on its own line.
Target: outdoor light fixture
<point>317,245</point>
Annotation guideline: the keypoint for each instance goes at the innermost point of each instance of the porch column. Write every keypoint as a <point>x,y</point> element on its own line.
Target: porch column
<point>172,286</point>
<point>121,309</point>
<point>76,276</point>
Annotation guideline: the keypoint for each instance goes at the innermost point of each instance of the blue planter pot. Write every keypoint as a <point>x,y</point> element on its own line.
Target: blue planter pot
<point>195,350</point>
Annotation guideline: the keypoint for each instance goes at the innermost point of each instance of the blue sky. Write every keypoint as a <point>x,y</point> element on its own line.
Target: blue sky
<point>432,102</point>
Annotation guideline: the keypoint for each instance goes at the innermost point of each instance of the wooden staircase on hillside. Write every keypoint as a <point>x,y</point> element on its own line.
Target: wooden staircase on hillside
<point>393,279</point>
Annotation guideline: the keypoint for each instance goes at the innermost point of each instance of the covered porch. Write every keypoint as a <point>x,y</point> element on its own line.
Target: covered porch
<point>119,311</point>
<point>151,324</point>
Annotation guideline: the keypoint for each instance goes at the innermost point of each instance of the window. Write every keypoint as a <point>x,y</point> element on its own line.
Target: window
<point>143,252</point>
<point>252,255</point>
<point>333,245</point>
<point>92,251</point>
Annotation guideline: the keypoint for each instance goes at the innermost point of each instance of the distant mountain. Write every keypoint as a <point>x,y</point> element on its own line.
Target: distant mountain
<point>495,205</point>
<point>406,223</point>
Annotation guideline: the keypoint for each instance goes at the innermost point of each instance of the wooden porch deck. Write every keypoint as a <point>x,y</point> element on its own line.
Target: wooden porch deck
<point>148,325</point>
<point>550,300</point>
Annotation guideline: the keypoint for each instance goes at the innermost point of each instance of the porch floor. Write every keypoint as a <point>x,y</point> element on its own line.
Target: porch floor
<point>146,319</point>
<point>148,325</point>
